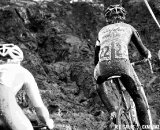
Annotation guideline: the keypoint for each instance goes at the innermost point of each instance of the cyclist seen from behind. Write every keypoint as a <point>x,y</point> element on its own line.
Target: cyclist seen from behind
<point>111,58</point>
<point>12,77</point>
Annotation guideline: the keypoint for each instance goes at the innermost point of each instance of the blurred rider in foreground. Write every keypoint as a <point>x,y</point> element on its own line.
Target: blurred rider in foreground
<point>12,77</point>
<point>111,58</point>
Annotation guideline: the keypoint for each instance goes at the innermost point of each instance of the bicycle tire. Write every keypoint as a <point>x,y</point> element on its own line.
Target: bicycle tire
<point>122,115</point>
<point>134,117</point>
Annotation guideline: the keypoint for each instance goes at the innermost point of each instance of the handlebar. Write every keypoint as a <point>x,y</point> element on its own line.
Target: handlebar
<point>143,61</point>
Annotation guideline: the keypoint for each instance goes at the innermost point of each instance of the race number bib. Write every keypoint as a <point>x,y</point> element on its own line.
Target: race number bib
<point>117,51</point>
<point>121,50</point>
<point>105,53</point>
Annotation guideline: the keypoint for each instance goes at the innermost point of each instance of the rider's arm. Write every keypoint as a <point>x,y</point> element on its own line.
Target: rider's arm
<point>139,44</point>
<point>96,55</point>
<point>36,100</point>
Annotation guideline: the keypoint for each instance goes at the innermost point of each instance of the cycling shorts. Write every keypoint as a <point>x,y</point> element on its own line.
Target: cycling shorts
<point>109,68</point>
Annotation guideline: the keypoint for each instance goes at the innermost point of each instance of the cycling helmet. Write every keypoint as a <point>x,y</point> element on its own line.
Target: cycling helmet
<point>13,52</point>
<point>115,11</point>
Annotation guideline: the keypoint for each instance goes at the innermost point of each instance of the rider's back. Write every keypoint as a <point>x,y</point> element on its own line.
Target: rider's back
<point>121,29</point>
<point>114,40</point>
<point>12,76</point>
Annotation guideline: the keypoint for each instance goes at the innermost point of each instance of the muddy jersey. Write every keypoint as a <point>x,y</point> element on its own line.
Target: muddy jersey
<point>114,39</point>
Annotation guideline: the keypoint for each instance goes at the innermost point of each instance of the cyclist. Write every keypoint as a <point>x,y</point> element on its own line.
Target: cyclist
<point>111,57</point>
<point>12,77</point>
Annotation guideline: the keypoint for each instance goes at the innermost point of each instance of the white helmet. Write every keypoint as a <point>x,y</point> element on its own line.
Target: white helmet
<point>11,50</point>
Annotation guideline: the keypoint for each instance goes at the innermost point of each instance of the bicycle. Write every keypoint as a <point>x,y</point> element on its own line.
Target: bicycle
<point>126,115</point>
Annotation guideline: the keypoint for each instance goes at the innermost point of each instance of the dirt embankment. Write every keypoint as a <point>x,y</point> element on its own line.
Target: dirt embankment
<point>58,41</point>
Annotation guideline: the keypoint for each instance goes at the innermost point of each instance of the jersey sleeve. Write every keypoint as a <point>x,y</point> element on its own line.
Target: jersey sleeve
<point>135,38</point>
<point>97,49</point>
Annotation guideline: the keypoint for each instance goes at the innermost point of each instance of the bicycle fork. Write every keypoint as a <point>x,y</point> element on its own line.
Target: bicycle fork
<point>148,109</point>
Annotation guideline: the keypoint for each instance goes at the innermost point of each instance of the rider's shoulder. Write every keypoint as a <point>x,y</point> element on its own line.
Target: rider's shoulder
<point>22,70</point>
<point>106,27</point>
<point>115,25</point>
<point>26,73</point>
<point>103,29</point>
<point>133,28</point>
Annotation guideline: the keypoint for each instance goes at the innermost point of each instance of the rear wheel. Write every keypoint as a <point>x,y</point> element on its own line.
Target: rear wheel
<point>134,117</point>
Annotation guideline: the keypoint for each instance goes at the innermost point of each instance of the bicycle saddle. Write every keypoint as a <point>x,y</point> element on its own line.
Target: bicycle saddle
<point>114,76</point>
<point>104,78</point>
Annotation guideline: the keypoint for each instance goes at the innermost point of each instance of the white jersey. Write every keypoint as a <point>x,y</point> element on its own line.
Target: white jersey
<point>12,78</point>
<point>12,75</point>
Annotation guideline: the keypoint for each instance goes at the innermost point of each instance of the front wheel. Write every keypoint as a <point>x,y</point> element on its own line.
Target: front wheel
<point>124,121</point>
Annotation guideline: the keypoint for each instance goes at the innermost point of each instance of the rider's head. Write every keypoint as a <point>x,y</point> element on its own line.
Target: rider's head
<point>115,14</point>
<point>10,53</point>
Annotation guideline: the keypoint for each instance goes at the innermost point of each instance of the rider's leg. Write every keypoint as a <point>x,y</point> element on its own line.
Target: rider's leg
<point>103,93</point>
<point>137,93</point>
